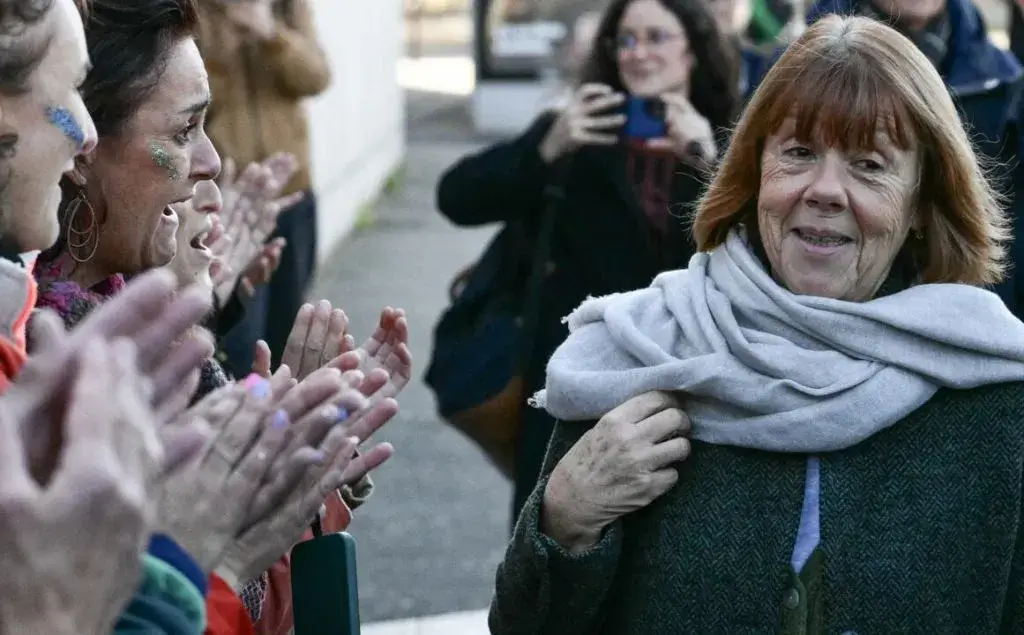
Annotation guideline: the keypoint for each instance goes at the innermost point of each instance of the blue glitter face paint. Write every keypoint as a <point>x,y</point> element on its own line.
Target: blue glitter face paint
<point>63,119</point>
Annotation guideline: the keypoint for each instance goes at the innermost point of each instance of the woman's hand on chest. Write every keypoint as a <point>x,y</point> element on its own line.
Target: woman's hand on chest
<point>619,466</point>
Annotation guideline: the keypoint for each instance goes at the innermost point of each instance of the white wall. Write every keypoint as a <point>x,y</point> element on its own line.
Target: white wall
<point>358,125</point>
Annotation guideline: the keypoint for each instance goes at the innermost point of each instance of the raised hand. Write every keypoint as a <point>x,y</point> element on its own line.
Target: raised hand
<point>387,349</point>
<point>263,543</point>
<point>154,315</point>
<point>589,119</point>
<point>204,507</point>
<point>317,337</point>
<point>251,205</point>
<point>76,540</point>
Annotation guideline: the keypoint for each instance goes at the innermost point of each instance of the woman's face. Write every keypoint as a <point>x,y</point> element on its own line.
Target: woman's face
<point>731,16</point>
<point>192,260</point>
<point>136,176</point>
<point>833,220</point>
<point>42,130</point>
<point>914,13</point>
<point>653,52</point>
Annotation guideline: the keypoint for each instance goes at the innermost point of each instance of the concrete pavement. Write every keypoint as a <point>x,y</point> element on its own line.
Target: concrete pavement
<point>430,538</point>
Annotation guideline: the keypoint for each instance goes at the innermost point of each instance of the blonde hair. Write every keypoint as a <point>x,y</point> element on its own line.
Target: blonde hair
<point>843,79</point>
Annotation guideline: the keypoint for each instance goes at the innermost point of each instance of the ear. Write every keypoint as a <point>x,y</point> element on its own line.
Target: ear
<point>79,175</point>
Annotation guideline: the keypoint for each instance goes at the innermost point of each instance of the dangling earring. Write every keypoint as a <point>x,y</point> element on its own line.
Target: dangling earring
<point>78,239</point>
<point>919,233</point>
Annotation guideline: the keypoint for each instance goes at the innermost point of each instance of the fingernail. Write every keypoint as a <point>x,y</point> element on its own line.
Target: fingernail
<point>342,415</point>
<point>257,386</point>
<point>329,412</point>
<point>281,420</point>
<point>318,457</point>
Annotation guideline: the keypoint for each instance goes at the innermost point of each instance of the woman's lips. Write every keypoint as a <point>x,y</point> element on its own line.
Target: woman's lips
<point>822,242</point>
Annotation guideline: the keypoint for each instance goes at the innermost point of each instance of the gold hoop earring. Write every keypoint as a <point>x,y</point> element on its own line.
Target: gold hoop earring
<point>77,239</point>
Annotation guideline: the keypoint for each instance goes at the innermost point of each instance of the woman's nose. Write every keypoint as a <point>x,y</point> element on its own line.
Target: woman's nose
<point>205,162</point>
<point>207,199</point>
<point>89,134</point>
<point>827,192</point>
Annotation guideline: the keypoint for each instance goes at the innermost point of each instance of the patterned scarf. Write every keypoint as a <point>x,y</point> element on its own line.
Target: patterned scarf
<point>72,303</point>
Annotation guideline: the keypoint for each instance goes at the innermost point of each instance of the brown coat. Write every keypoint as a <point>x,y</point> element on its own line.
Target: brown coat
<point>258,87</point>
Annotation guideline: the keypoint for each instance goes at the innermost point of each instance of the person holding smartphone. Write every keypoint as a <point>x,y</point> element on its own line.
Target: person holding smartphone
<point>631,148</point>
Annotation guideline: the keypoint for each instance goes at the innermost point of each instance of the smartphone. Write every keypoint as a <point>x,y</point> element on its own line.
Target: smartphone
<point>325,592</point>
<point>645,118</point>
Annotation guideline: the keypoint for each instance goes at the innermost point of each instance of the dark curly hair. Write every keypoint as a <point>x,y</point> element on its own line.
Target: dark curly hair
<point>714,85</point>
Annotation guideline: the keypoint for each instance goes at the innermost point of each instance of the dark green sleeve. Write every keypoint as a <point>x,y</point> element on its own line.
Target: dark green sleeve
<point>542,589</point>
<point>165,603</point>
<point>1013,602</point>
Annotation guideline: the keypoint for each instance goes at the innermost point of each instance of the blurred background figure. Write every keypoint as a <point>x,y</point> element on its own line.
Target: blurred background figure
<point>629,149</point>
<point>264,59</point>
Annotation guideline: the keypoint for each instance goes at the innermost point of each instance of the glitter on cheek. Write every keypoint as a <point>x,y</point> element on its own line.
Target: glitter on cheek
<point>63,119</point>
<point>163,159</point>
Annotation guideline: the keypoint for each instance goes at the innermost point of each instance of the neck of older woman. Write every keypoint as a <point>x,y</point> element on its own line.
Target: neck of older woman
<point>85,274</point>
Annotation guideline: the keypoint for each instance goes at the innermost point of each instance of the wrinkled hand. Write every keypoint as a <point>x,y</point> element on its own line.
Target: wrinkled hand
<point>690,136</point>
<point>620,465</point>
<point>386,349</point>
<point>317,337</point>
<point>204,507</point>
<point>73,545</point>
<point>327,438</point>
<point>266,541</point>
<point>152,313</point>
<point>261,268</point>
<point>316,405</point>
<point>251,205</point>
<point>585,121</point>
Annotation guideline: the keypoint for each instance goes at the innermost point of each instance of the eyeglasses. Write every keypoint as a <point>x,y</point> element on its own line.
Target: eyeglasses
<point>630,41</point>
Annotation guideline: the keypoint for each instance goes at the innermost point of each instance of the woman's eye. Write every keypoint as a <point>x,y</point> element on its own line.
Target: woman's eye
<point>184,136</point>
<point>797,152</point>
<point>869,165</point>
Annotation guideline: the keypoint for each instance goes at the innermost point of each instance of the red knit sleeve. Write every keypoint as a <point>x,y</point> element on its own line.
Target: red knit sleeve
<point>225,613</point>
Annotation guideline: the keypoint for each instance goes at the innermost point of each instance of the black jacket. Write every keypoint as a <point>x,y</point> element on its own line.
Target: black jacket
<point>602,239</point>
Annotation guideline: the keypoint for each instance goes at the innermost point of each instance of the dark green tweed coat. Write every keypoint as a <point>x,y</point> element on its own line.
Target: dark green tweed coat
<point>920,533</point>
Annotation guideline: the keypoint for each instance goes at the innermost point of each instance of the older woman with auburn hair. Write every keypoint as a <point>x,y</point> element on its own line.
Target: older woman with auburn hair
<point>817,426</point>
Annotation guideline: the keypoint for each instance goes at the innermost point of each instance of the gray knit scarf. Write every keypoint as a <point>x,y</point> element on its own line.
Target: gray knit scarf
<point>761,367</point>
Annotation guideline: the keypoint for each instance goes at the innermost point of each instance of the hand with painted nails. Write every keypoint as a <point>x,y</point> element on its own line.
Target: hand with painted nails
<point>204,507</point>
<point>75,540</point>
<point>152,313</point>
<point>346,406</point>
<point>265,542</point>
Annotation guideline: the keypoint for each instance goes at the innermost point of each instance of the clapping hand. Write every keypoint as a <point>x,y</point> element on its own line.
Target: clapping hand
<point>155,316</point>
<point>75,539</point>
<point>251,205</point>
